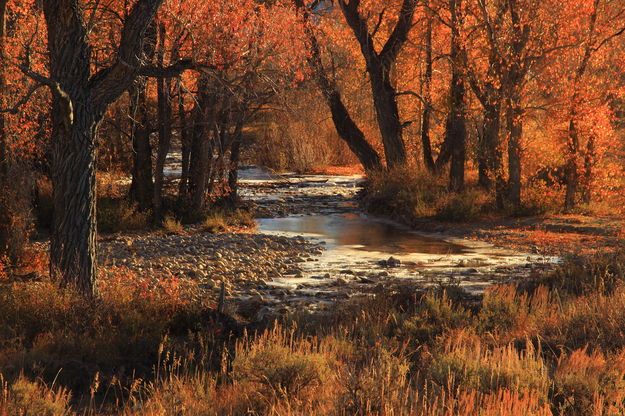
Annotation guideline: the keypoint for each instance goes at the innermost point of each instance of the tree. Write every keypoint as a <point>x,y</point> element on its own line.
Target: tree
<point>456,133</point>
<point>594,39</point>
<point>78,105</point>
<point>378,66</point>
<point>346,127</point>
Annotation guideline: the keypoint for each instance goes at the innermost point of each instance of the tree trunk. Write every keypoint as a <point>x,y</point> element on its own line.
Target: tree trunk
<point>345,126</point>
<point>233,170</point>
<point>164,127</point>
<point>142,186</point>
<point>457,131</point>
<point>78,104</point>
<point>456,124</point>
<point>428,159</point>
<point>387,113</point>
<point>490,151</point>
<point>379,65</point>
<point>514,125</point>
<point>73,239</point>
<point>5,220</point>
<point>186,147</point>
<point>571,169</point>
<point>3,92</point>
<point>200,158</point>
<point>350,133</point>
<point>589,162</point>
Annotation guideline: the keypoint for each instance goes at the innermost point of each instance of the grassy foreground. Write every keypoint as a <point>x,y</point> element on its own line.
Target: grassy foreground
<point>553,346</point>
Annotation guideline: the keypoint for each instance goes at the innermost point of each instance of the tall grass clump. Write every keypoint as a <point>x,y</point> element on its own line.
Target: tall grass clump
<point>462,207</point>
<point>279,366</point>
<point>408,194</point>
<point>467,363</point>
<point>590,383</point>
<point>29,398</point>
<point>120,215</point>
<point>403,193</point>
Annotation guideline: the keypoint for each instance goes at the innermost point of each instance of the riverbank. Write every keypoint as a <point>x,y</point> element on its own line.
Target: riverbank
<point>423,203</point>
<point>311,249</point>
<point>553,235</point>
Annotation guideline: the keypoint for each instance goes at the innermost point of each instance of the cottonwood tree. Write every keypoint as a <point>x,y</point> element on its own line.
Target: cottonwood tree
<point>517,37</point>
<point>601,23</point>
<point>346,127</point>
<point>379,63</point>
<point>79,101</point>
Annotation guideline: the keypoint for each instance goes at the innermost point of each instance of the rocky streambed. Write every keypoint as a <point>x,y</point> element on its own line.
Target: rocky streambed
<point>313,248</point>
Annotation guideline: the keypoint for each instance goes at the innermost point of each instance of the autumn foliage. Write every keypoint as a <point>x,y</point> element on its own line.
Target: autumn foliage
<point>456,109</point>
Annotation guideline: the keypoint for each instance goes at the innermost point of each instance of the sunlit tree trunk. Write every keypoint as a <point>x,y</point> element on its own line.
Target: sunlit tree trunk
<point>426,144</point>
<point>78,104</point>
<point>456,123</point>
<point>378,66</point>
<point>345,126</point>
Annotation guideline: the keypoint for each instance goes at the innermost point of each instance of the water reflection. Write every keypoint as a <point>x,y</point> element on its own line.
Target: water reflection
<point>361,232</point>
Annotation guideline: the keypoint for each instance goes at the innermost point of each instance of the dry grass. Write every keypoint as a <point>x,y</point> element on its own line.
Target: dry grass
<point>219,220</point>
<point>172,225</point>
<point>151,347</point>
<point>120,215</point>
<point>409,194</point>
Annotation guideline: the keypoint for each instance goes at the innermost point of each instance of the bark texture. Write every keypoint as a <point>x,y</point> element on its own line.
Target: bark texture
<point>79,102</point>
<point>379,65</point>
<point>456,123</point>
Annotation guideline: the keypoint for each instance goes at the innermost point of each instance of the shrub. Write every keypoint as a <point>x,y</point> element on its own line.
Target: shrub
<point>502,309</point>
<point>586,382</point>
<point>595,320</point>
<point>409,194</point>
<point>28,398</point>
<point>119,215</point>
<point>466,363</point>
<point>539,198</point>
<point>240,218</point>
<point>219,219</point>
<point>434,314</point>
<point>462,207</point>
<point>281,367</point>
<point>402,193</point>
<point>215,222</point>
<point>172,225</point>
<point>186,394</point>
<point>601,273</point>
<point>377,383</point>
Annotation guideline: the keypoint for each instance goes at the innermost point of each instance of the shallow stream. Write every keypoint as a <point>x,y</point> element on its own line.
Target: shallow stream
<point>365,250</point>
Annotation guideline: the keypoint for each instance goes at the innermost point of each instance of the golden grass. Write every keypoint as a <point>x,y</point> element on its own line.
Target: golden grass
<point>149,347</point>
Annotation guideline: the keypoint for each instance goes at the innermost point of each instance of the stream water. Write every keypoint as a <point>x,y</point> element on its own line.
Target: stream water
<point>352,254</point>
<point>365,250</point>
